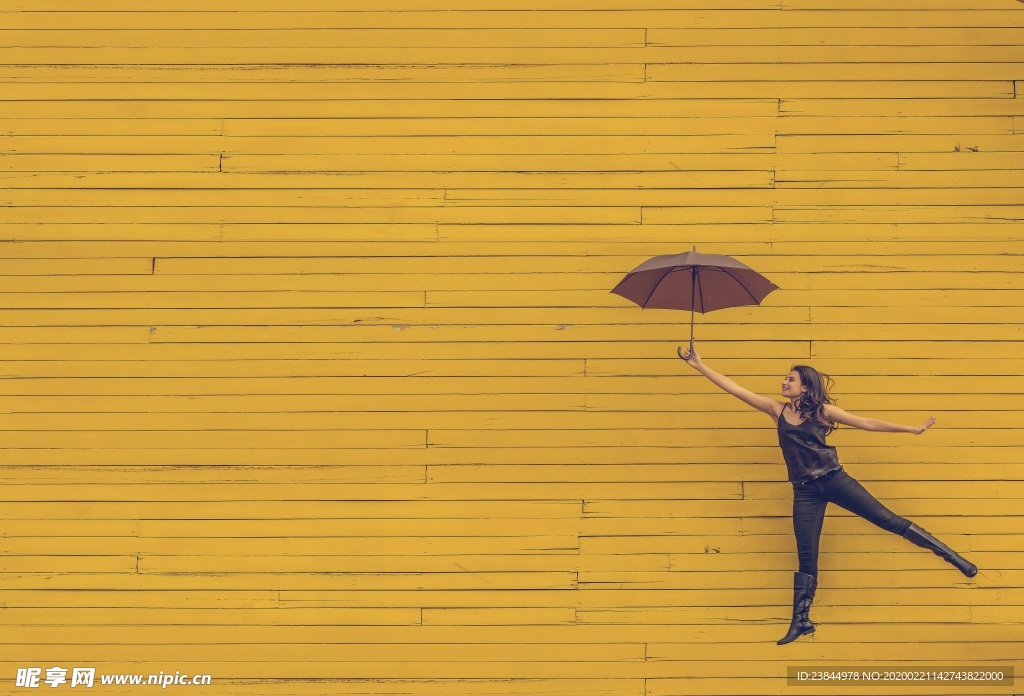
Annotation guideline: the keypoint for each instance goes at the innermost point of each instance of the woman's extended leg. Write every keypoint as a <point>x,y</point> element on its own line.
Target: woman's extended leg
<point>922,538</point>
<point>846,492</point>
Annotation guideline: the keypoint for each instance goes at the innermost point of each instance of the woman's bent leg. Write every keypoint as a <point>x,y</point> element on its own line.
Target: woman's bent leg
<point>808,517</point>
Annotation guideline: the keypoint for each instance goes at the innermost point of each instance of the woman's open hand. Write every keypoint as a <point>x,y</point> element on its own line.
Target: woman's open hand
<point>691,356</point>
<point>927,424</point>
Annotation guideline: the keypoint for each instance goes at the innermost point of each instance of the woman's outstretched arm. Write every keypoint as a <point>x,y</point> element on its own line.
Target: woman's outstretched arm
<point>838,415</point>
<point>761,403</point>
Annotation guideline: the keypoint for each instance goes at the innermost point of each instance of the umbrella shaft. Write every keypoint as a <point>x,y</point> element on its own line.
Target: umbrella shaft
<point>693,302</point>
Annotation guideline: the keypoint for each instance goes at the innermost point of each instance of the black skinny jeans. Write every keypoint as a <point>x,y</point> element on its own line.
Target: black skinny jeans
<point>810,500</point>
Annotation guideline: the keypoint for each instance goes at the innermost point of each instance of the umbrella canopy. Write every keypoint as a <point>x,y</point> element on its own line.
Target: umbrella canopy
<point>698,282</point>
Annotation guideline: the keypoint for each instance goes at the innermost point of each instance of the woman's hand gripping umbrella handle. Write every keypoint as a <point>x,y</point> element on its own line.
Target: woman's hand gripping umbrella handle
<point>691,356</point>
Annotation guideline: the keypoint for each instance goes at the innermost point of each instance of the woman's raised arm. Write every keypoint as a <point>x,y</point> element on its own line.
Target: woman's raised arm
<point>761,403</point>
<point>838,415</point>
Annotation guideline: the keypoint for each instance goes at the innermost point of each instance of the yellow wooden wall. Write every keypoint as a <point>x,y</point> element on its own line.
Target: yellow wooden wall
<point>312,380</point>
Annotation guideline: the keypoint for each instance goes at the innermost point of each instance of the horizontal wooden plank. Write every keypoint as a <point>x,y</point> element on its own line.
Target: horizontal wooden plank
<point>352,509</point>
<point>404,6</point>
<point>625,599</point>
<point>934,579</point>
<point>617,387</point>
<point>662,171</point>
<point>51,29</point>
<point>398,417</point>
<point>698,14</point>
<point>843,569</point>
<point>560,262</point>
<point>337,23</point>
<point>832,37</point>
<point>296,136</point>
<point>396,439</point>
<point>679,72</point>
<point>722,166</point>
<point>325,579</point>
<point>76,267</point>
<point>707,190</point>
<point>327,46</point>
<point>597,72</point>
<point>840,524</point>
<point>897,107</point>
<point>356,652</point>
<point>562,258</point>
<point>826,349</point>
<point>412,437</point>
<point>776,684</point>
<point>426,546</point>
<point>902,179</point>
<point>434,687</point>
<point>355,616</point>
<point>598,367</point>
<point>538,88</point>
<point>741,238</point>
<point>966,143</point>
<point>593,125</point>
<point>316,492</point>
<point>965,160</point>
<point>891,489</point>
<point>499,600</point>
<point>304,368</point>
<point>82,335</point>
<point>56,300</point>
<point>834,562</point>
<point>122,127</point>
<point>596,123</point>
<point>920,287</point>
<point>906,5</point>
<point>868,464</point>
<point>626,355</point>
<point>927,634</point>
<point>503,652</point>
<point>840,318</point>
<point>923,285</point>
<point>401,211</point>
<point>319,527</point>
<point>16,162</point>
<point>895,215</point>
<point>598,297</point>
<point>151,95</point>
<point>152,464</point>
<point>778,506</point>
<point>116,231</point>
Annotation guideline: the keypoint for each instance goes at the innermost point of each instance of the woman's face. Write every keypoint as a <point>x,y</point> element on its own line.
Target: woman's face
<point>792,387</point>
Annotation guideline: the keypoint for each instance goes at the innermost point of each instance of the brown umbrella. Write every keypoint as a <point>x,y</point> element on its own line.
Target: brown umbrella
<point>698,282</point>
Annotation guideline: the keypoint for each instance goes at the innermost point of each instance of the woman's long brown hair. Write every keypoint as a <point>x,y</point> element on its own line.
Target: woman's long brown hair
<point>812,404</point>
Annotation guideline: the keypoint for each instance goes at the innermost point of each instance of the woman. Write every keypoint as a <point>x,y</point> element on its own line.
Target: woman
<point>817,477</point>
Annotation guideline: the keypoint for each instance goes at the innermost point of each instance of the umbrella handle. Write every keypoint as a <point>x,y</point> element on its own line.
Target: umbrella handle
<point>679,351</point>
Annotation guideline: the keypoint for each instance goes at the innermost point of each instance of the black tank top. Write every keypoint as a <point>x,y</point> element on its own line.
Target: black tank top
<point>803,446</point>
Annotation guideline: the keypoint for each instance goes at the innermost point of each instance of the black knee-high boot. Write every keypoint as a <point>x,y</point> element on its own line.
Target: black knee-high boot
<point>804,586</point>
<point>920,537</point>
